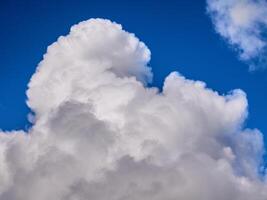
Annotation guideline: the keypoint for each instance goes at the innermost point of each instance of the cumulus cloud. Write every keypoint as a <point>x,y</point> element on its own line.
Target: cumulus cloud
<point>243,24</point>
<point>99,133</point>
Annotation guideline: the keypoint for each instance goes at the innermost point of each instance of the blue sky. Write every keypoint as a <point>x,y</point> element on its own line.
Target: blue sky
<point>179,34</point>
<point>98,132</point>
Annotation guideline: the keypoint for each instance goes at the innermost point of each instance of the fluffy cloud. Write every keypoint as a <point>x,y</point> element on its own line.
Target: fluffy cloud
<point>243,24</point>
<point>99,133</point>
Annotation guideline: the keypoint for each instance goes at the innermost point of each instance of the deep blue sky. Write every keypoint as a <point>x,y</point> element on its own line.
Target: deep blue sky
<point>179,34</point>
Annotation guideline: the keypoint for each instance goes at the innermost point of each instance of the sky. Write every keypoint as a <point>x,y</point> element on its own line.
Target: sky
<point>179,33</point>
<point>218,97</point>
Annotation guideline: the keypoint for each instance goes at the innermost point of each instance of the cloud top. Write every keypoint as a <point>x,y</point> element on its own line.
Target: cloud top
<point>99,133</point>
<point>243,24</point>
<point>92,48</point>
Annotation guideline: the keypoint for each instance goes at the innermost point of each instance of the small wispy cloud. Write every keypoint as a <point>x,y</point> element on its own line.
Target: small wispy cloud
<point>243,24</point>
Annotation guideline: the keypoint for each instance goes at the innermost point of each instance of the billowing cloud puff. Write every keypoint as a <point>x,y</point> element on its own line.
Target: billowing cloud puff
<point>243,24</point>
<point>99,133</point>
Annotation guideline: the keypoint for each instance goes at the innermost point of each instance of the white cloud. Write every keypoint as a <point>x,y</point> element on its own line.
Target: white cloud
<point>100,133</point>
<point>243,24</point>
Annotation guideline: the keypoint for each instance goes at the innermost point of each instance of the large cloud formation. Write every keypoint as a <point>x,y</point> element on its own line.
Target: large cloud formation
<point>243,24</point>
<point>99,133</point>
